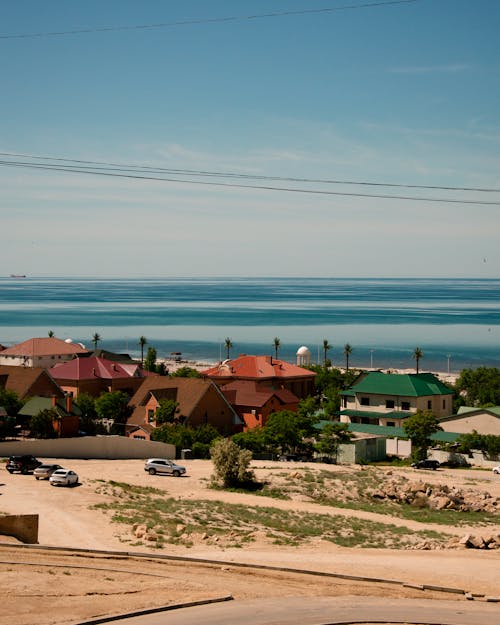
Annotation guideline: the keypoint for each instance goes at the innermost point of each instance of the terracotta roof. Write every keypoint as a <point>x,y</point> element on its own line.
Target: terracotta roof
<point>94,367</point>
<point>22,380</point>
<point>44,347</point>
<point>257,367</point>
<point>250,393</point>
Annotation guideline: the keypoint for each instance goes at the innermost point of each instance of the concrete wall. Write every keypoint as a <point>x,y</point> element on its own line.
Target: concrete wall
<point>398,447</point>
<point>483,423</point>
<point>24,527</point>
<point>98,447</point>
<point>476,458</point>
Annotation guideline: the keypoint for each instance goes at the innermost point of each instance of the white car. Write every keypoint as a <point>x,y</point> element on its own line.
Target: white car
<point>496,470</point>
<point>63,477</point>
<point>162,465</point>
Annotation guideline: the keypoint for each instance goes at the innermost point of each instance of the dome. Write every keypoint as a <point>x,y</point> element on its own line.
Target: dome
<point>68,341</point>
<point>303,351</point>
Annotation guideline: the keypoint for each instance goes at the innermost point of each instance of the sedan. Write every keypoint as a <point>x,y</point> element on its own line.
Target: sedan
<point>63,477</point>
<point>426,464</point>
<point>44,471</point>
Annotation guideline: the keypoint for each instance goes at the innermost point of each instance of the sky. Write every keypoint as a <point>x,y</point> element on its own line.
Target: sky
<point>299,101</point>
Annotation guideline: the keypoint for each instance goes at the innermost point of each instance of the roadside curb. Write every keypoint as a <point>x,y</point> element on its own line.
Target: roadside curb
<point>166,608</point>
<point>246,565</point>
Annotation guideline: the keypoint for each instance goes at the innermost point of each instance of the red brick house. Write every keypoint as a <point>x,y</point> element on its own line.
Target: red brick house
<point>254,402</point>
<point>94,375</point>
<point>200,402</point>
<point>68,415</point>
<point>29,382</point>
<point>266,371</point>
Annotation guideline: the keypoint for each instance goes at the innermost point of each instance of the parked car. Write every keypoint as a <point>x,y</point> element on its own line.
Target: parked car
<point>496,470</point>
<point>22,464</point>
<point>44,471</point>
<point>161,465</point>
<point>63,477</point>
<point>426,464</point>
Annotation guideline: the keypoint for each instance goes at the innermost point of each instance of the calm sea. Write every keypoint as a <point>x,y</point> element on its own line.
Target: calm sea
<point>456,322</point>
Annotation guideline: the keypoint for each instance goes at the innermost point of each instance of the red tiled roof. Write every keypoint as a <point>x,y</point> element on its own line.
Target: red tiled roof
<point>44,347</point>
<point>28,381</point>
<point>257,368</point>
<point>94,367</point>
<point>250,393</point>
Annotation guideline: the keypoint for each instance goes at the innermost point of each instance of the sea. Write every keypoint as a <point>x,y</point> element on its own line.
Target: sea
<point>455,322</point>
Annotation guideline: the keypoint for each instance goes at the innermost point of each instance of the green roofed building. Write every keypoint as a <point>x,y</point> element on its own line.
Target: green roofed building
<point>389,398</point>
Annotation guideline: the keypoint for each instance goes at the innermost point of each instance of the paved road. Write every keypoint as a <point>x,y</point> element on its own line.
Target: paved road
<point>325,610</point>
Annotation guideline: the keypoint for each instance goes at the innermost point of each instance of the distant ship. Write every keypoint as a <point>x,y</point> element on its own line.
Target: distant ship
<point>17,275</point>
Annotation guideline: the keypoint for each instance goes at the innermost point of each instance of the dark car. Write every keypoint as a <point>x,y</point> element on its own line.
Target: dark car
<point>22,464</point>
<point>426,464</point>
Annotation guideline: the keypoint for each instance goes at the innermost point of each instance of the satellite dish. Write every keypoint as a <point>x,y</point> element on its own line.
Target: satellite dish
<point>68,341</point>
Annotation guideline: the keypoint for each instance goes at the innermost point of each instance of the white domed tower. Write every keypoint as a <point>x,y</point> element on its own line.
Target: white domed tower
<point>303,356</point>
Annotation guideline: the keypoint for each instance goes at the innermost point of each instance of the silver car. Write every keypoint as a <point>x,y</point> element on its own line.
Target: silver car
<point>162,465</point>
<point>44,471</point>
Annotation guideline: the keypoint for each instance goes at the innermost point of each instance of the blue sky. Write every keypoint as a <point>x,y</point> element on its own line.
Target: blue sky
<point>405,93</point>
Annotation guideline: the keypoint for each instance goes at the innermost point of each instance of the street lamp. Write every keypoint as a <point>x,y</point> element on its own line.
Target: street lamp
<point>448,357</point>
<point>371,359</point>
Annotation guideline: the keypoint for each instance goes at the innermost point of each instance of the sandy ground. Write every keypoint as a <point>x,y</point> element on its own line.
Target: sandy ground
<point>32,579</point>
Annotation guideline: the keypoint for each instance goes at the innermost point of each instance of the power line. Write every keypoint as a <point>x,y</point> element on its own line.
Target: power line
<point>214,20</point>
<point>200,172</point>
<point>116,174</point>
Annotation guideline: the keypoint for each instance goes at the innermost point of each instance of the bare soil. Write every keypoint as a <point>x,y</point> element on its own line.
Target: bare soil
<point>52,587</point>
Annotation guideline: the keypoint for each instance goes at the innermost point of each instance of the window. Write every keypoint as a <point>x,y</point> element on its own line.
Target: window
<point>389,403</point>
<point>391,424</point>
<point>444,404</point>
<point>429,404</point>
<point>151,415</point>
<point>364,401</point>
<point>405,405</point>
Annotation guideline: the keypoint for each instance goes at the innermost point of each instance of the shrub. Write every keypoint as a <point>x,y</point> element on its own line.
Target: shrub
<point>231,464</point>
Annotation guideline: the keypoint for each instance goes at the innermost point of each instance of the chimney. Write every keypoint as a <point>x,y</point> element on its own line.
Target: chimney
<point>54,401</point>
<point>69,403</point>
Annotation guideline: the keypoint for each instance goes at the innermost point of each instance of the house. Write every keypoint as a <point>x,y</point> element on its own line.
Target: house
<point>29,382</point>
<point>267,371</point>
<point>255,402</point>
<point>469,419</point>
<point>94,375</point>
<point>389,398</point>
<point>199,401</point>
<point>41,352</point>
<point>68,420</point>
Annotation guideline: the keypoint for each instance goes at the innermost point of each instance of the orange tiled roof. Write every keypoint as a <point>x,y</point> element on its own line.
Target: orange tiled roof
<point>257,368</point>
<point>44,346</point>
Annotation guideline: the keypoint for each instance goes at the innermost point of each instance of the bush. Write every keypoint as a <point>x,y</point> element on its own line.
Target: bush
<point>231,464</point>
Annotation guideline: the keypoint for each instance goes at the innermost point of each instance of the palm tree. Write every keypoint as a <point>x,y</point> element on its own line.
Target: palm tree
<point>347,353</point>
<point>418,354</point>
<point>228,345</point>
<point>51,334</point>
<point>326,347</point>
<point>277,344</point>
<point>142,341</point>
<point>95,339</point>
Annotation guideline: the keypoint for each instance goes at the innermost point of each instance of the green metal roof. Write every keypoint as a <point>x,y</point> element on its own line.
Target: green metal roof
<point>402,385</point>
<point>36,404</point>
<point>391,432</point>
<point>465,409</point>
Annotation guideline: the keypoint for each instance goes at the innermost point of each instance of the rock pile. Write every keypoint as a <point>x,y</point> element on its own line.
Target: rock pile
<point>435,496</point>
<point>472,541</point>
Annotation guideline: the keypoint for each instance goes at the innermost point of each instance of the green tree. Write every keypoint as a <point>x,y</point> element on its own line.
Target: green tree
<point>285,431</point>
<point>419,429</point>
<point>326,348</point>
<point>42,424</point>
<point>167,411</point>
<point>254,440</point>
<point>95,339</point>
<point>88,415</point>
<point>418,354</point>
<point>51,334</point>
<point>113,407</point>
<point>142,341</point>
<point>150,362</point>
<point>480,387</point>
<point>175,434</point>
<point>347,354</point>
<point>277,345</point>
<point>228,344</point>
<point>10,401</point>
<point>231,464</point>
<point>185,372</point>
<point>332,436</point>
